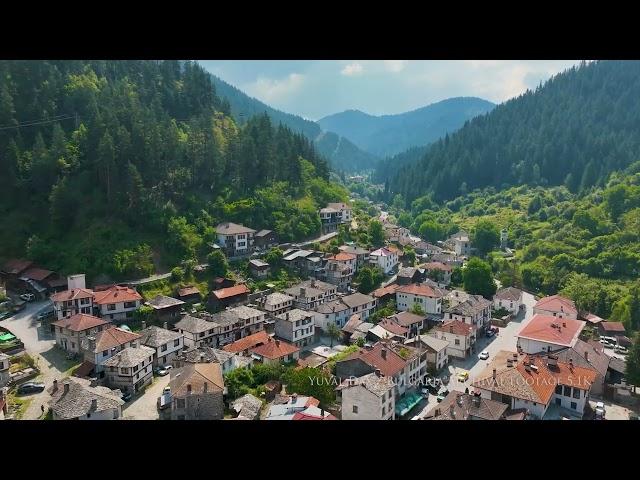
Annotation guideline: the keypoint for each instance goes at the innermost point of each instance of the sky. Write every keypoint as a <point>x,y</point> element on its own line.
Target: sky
<point>317,88</point>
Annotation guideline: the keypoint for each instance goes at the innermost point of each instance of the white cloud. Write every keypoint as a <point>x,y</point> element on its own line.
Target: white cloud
<point>352,70</point>
<point>272,90</point>
<point>395,65</point>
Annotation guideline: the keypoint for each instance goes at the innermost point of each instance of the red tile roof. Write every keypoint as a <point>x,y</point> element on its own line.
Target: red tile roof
<point>116,294</point>
<point>549,329</point>
<point>113,337</point>
<point>306,416</point>
<point>231,291</point>
<point>73,294</point>
<point>389,366</point>
<point>406,319</point>
<point>557,303</point>
<point>342,257</point>
<point>248,342</point>
<point>388,290</point>
<point>80,322</point>
<point>275,349</point>
<point>393,327</point>
<point>419,289</point>
<point>183,292</point>
<point>617,327</point>
<point>37,274</point>
<point>437,266</point>
<point>455,326</point>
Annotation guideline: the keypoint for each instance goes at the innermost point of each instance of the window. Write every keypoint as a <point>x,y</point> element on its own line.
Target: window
<point>111,306</point>
<point>457,342</point>
<point>124,370</point>
<point>129,304</point>
<point>355,409</point>
<point>559,389</point>
<point>73,345</point>
<point>574,406</point>
<point>567,391</point>
<point>176,343</point>
<point>163,348</point>
<point>135,369</point>
<point>383,411</point>
<point>576,393</point>
<point>558,402</point>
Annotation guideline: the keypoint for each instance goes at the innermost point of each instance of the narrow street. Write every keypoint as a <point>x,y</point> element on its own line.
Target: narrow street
<point>144,407</point>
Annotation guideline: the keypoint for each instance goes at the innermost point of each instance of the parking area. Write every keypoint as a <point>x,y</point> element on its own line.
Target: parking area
<point>144,406</point>
<point>612,411</point>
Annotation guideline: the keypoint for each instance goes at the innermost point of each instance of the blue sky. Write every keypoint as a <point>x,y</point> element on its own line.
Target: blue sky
<point>316,88</point>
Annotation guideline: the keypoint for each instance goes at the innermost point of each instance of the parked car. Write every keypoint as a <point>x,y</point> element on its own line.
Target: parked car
<point>164,401</point>
<point>28,297</point>
<point>608,345</point>
<point>425,392</point>
<point>484,355</point>
<point>620,349</point>
<point>30,387</point>
<point>6,314</point>
<point>463,376</point>
<point>126,396</point>
<point>490,333</point>
<point>600,411</point>
<point>162,371</point>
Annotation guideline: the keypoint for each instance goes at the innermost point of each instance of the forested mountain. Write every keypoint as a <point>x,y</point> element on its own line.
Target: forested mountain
<point>108,163</point>
<point>389,166</point>
<point>341,153</point>
<point>387,135</point>
<point>574,130</point>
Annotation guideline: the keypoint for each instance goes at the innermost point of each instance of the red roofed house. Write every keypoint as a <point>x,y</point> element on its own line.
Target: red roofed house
<point>100,347</point>
<point>386,258</point>
<point>72,302</point>
<point>556,306</point>
<point>72,330</point>
<point>438,271</point>
<point>428,299</point>
<point>384,294</point>
<point>546,333</point>
<point>611,329</point>
<point>117,302</point>
<point>225,297</point>
<point>245,344</point>
<point>275,351</point>
<point>460,336</point>
<point>340,269</point>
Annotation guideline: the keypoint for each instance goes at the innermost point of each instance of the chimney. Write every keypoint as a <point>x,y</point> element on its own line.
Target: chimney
<point>55,385</point>
<point>189,388</point>
<point>92,343</point>
<point>571,363</point>
<point>94,404</point>
<point>144,324</point>
<point>564,324</point>
<point>277,343</point>
<point>378,372</point>
<point>286,315</point>
<point>586,356</point>
<point>437,412</point>
<point>166,325</point>
<point>294,397</point>
<point>552,360</point>
<point>202,357</point>
<point>205,387</point>
<point>303,292</point>
<point>383,353</point>
<point>66,387</point>
<point>322,412</point>
<point>494,373</point>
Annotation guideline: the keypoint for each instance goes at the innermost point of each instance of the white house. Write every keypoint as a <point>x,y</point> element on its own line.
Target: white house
<point>76,399</point>
<point>130,369</point>
<point>235,239</point>
<point>509,299</point>
<point>474,310</point>
<point>386,258</point>
<point>461,243</point>
<point>459,336</point>
<point>344,211</point>
<point>166,343</point>
<point>296,326</point>
<point>370,397</point>
<point>276,303</point>
<point>117,302</point>
<point>425,296</point>
<point>339,311</point>
<point>309,294</point>
<point>100,347</point>
<point>72,302</point>
<point>556,306</point>
<point>71,331</point>
<point>545,333</point>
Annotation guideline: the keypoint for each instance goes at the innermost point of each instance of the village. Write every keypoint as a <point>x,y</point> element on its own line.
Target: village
<point>312,348</point>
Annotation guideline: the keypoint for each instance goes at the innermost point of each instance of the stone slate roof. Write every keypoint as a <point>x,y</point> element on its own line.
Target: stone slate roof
<point>357,299</point>
<point>229,228</point>
<point>196,375</point>
<point>162,301</point>
<point>277,298</point>
<point>194,324</point>
<point>155,336</point>
<point>378,385</point>
<point>78,401</point>
<point>204,354</point>
<point>295,315</point>
<point>130,357</point>
<point>247,406</point>
<point>466,406</point>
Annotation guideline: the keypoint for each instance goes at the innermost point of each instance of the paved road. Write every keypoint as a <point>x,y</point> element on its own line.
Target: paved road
<point>39,343</point>
<point>145,407</point>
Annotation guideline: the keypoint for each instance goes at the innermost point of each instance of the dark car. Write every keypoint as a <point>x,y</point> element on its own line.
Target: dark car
<point>30,387</point>
<point>490,333</point>
<point>126,396</point>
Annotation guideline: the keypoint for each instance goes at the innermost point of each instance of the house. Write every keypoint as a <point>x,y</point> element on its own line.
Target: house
<point>259,268</point>
<point>305,262</point>
<point>556,306</point>
<point>244,345</point>
<point>448,258</point>
<point>5,364</point>
<point>593,319</point>
<point>340,269</point>
<point>330,218</point>
<point>545,333</point>
<point>223,282</point>
<point>72,302</point>
<point>438,271</point>
<point>339,311</point>
<point>228,360</point>
<point>388,330</point>
<point>460,243</point>
<point>345,211</point>
<point>130,369</point>
<point>39,281</point>
<point>12,270</point>
<point>420,294</point>
<point>412,322</point>
<point>226,297</point>
<point>425,248</point>
<point>394,233</point>
<point>100,347</point>
<point>369,397</point>
<point>385,258</point>
<point>309,294</point>
<point>117,302</point>
<point>71,331</point>
<point>296,407</point>
<point>587,355</point>
<point>275,351</point>
<point>546,387</point>
<point>197,392</point>
<point>265,239</point>
<point>276,303</point>
<point>436,348</point>
<point>247,407</point>
<point>459,335</point>
<point>611,329</point>
<point>76,399</point>
<point>189,294</point>
<point>362,254</point>
<point>355,328</point>
<point>166,309</point>
<point>509,299</point>
<point>408,275</point>
<point>365,361</point>
<point>474,310</point>
<point>384,294</point>
<point>218,329</point>
<point>197,331</point>
<point>166,343</point>
<point>296,326</point>
<point>235,240</point>
<point>463,406</point>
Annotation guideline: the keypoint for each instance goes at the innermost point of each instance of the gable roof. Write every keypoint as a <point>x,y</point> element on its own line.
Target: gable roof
<point>586,355</point>
<point>419,289</point>
<point>617,327</point>
<point>275,349</point>
<point>130,357</point>
<point>510,293</point>
<point>393,327</point>
<point>455,326</point>
<point>228,292</point>
<point>229,228</point>
<point>248,342</point>
<point>390,365</point>
<point>16,266</point>
<point>37,274</point>
<point>407,319</point>
<point>111,338</point>
<point>352,323</point>
<point>162,301</point>
<point>155,336</point>
<point>383,291</point>
<point>78,400</point>
<point>195,376</point>
<point>342,257</point>
<point>116,294</point>
<point>194,324</point>
<point>437,266</point>
<point>73,294</point>
<point>549,329</point>
<point>80,322</point>
<point>188,290</point>
<point>557,303</point>
<point>263,233</point>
